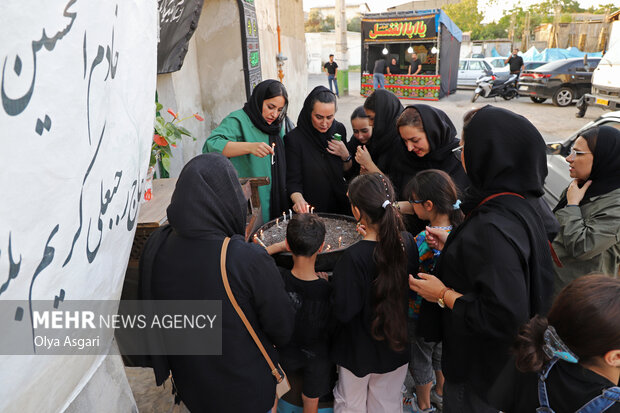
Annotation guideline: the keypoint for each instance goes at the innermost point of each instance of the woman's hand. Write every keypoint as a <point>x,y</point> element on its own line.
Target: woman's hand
<point>436,237</point>
<point>299,203</point>
<point>260,149</point>
<point>428,286</point>
<point>323,275</point>
<point>574,194</point>
<point>337,148</point>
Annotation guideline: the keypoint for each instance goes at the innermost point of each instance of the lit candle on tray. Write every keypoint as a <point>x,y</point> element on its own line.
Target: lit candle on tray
<point>261,235</point>
<point>339,242</point>
<point>290,214</point>
<point>284,216</point>
<point>329,247</point>
<point>259,241</point>
<point>312,210</point>
<point>278,222</point>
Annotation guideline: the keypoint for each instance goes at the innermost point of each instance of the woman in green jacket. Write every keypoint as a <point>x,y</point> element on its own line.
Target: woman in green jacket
<point>252,138</point>
<point>589,210</point>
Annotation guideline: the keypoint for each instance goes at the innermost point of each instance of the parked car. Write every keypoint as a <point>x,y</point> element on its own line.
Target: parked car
<point>470,70</point>
<point>558,177</point>
<point>562,80</point>
<point>533,65</point>
<point>497,63</point>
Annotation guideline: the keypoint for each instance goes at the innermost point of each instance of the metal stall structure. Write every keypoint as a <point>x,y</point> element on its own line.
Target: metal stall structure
<point>430,34</point>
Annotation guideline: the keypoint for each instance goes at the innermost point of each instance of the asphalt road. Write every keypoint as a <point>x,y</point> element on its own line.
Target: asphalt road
<point>554,123</point>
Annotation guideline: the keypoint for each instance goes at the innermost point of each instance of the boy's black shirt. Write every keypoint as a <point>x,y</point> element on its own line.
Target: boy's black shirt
<point>311,301</point>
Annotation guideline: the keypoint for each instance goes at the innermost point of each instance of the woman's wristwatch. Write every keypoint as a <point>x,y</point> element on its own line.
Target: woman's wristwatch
<point>348,158</point>
<point>442,295</point>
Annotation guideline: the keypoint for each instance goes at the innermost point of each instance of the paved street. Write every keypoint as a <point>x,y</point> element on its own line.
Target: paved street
<point>553,122</point>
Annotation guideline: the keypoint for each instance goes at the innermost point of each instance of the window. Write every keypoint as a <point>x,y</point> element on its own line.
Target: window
<point>463,65</point>
<point>475,65</point>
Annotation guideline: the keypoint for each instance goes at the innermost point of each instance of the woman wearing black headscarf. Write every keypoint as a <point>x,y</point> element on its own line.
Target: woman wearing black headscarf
<point>589,210</point>
<point>181,261</point>
<point>495,269</point>
<point>377,156</point>
<point>252,138</point>
<point>315,161</point>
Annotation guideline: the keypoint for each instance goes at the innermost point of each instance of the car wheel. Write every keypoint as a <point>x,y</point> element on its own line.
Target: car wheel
<point>563,97</point>
<point>537,100</point>
<point>474,97</point>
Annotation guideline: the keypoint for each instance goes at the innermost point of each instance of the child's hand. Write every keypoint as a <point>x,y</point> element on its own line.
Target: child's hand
<point>436,237</point>
<point>361,229</point>
<point>322,275</point>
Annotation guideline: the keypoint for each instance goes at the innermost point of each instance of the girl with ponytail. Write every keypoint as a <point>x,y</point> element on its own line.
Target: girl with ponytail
<point>433,197</point>
<point>370,302</point>
<point>572,355</point>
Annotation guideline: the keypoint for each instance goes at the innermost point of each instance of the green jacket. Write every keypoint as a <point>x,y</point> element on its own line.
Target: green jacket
<point>237,127</point>
<point>589,239</point>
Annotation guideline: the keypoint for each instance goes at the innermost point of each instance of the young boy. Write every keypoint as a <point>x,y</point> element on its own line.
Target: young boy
<point>310,294</point>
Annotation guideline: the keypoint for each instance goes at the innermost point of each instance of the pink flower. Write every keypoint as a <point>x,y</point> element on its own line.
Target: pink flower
<point>197,116</point>
<point>170,111</point>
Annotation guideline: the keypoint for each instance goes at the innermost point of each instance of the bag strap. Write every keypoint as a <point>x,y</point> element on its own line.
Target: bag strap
<point>275,371</point>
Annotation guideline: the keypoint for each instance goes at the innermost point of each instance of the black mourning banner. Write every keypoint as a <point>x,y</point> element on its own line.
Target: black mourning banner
<point>177,21</point>
<point>399,29</point>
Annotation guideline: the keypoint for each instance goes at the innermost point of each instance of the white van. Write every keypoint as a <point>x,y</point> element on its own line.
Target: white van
<point>606,77</point>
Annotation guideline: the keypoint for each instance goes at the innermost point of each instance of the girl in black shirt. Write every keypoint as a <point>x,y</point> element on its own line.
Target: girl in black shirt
<point>370,302</point>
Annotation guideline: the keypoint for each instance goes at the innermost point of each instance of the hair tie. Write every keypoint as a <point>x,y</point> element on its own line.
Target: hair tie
<point>457,204</point>
<point>554,347</point>
<point>386,203</point>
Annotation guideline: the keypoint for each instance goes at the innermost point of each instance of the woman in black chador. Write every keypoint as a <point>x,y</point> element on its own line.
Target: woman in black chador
<point>181,261</point>
<point>316,159</point>
<point>495,271</point>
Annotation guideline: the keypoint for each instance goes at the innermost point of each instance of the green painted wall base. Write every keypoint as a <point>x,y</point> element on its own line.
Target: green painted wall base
<point>343,82</point>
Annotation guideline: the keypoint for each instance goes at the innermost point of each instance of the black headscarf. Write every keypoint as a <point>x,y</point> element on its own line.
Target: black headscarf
<point>605,175</point>
<point>254,109</point>
<point>504,152</point>
<point>208,200</point>
<point>304,121</point>
<point>384,137</point>
<point>441,135</point>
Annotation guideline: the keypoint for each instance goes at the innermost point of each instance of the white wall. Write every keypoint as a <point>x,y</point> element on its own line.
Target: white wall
<point>320,45</point>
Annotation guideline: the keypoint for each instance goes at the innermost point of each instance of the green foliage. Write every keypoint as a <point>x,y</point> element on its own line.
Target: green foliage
<point>317,23</point>
<point>466,16</point>
<point>167,135</point>
<point>355,24</point>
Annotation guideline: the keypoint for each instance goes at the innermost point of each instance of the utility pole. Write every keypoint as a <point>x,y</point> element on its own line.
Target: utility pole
<point>342,50</point>
<point>511,31</point>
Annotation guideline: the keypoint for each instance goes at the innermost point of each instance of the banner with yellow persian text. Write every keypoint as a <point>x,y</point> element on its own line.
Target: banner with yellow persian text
<point>399,29</point>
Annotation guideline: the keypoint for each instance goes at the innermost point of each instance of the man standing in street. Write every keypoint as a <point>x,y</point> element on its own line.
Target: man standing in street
<point>415,66</point>
<point>378,77</point>
<point>516,62</point>
<point>331,68</point>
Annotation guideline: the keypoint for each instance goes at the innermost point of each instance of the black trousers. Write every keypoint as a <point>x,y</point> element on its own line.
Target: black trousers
<point>460,398</point>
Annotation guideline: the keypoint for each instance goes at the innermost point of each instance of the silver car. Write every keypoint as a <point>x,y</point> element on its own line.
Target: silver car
<point>558,178</point>
<point>470,70</point>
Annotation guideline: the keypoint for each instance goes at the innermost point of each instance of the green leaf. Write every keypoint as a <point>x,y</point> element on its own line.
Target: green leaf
<point>184,131</point>
<point>165,162</point>
<point>158,106</point>
<point>160,130</point>
<point>165,150</point>
<point>177,134</point>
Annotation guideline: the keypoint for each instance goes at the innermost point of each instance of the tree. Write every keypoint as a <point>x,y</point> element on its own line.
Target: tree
<point>355,24</point>
<point>466,16</point>
<point>317,23</point>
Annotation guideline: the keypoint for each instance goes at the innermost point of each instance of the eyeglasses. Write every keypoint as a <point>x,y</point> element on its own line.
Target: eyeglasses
<point>574,152</point>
